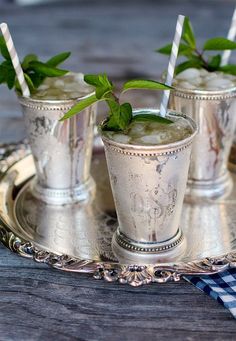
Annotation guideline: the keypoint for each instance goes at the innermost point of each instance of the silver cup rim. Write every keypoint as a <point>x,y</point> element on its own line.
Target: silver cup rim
<point>199,92</point>
<point>66,102</point>
<point>155,148</point>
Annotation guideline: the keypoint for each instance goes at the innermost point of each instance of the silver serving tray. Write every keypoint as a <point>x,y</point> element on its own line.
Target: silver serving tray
<point>77,238</point>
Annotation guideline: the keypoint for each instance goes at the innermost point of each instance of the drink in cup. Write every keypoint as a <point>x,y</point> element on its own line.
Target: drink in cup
<point>210,99</point>
<point>61,150</point>
<point>148,168</point>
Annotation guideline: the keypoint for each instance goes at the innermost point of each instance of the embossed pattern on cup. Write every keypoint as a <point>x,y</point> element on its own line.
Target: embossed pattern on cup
<point>215,115</point>
<point>61,150</point>
<point>148,185</point>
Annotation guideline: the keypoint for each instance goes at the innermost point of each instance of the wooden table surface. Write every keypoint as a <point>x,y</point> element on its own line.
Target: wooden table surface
<point>38,303</point>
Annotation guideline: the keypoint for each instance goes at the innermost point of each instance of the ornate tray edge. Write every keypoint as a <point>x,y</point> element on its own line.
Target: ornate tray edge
<point>134,275</point>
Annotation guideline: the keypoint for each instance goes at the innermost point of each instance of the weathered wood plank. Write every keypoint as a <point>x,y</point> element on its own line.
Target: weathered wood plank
<point>75,305</point>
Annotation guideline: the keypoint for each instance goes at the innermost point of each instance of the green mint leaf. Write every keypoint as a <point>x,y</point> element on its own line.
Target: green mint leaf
<point>196,58</point>
<point>214,62</point>
<point>144,84</point>
<point>100,80</point>
<point>105,89</point>
<point>101,83</point>
<point>165,49</point>
<point>3,49</point>
<point>46,70</point>
<point>29,58</point>
<point>58,59</point>
<point>151,117</point>
<point>126,107</point>
<point>125,114</point>
<point>36,78</point>
<point>8,73</point>
<point>219,44</point>
<point>34,70</point>
<point>183,50</point>
<point>230,68</point>
<point>17,87</point>
<point>105,81</point>
<point>111,123</point>
<point>11,76</point>
<point>81,105</point>
<point>114,107</point>
<point>188,35</point>
<point>187,65</point>
<point>2,74</point>
<point>92,80</point>
<point>29,82</point>
<point>120,116</point>
<point>4,70</point>
<point>102,92</point>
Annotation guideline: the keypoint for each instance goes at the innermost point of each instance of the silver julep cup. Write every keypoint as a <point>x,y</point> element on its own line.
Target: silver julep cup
<point>61,150</point>
<point>215,115</point>
<point>148,185</point>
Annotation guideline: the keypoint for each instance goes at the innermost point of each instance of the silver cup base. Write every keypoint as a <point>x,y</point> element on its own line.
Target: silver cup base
<point>53,196</point>
<point>132,252</point>
<point>219,188</point>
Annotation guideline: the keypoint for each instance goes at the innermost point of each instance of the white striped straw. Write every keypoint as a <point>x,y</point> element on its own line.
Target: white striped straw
<point>15,60</point>
<point>172,62</point>
<point>231,36</point>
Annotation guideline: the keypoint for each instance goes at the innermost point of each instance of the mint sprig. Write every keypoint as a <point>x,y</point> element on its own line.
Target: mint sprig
<point>35,71</point>
<point>197,58</point>
<point>120,115</point>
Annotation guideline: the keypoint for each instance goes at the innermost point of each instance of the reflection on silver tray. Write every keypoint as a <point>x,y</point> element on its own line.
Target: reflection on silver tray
<point>78,238</point>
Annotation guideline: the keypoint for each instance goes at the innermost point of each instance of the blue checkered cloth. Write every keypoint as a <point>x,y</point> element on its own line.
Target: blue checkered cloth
<point>221,287</point>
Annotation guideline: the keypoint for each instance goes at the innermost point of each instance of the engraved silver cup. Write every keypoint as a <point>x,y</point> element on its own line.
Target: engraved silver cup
<point>215,114</point>
<point>61,150</point>
<point>148,185</point>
